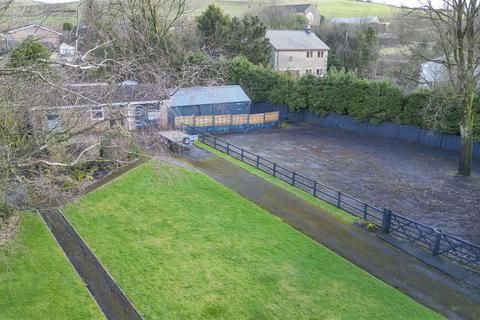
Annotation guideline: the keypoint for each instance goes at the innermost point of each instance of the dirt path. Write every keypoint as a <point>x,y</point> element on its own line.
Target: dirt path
<point>108,295</point>
<point>423,283</point>
<point>417,181</point>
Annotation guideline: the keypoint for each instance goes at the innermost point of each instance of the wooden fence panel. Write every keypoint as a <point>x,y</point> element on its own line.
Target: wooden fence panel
<point>228,119</point>
<point>238,119</point>
<point>203,121</point>
<point>223,120</point>
<point>256,118</point>
<point>272,116</point>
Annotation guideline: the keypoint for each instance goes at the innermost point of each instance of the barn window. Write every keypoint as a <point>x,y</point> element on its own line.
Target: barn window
<point>97,113</point>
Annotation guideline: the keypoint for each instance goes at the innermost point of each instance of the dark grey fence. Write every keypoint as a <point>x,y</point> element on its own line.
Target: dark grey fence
<point>385,129</point>
<point>418,234</point>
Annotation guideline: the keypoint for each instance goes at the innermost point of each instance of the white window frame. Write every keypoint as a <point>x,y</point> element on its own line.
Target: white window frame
<point>309,54</point>
<point>97,109</point>
<point>308,71</point>
<point>320,54</point>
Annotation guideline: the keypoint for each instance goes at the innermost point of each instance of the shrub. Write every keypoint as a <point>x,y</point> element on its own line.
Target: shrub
<point>27,53</point>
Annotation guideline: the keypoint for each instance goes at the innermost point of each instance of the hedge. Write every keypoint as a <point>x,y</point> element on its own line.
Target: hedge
<point>345,93</point>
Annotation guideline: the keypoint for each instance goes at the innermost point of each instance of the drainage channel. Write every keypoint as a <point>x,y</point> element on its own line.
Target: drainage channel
<point>111,299</point>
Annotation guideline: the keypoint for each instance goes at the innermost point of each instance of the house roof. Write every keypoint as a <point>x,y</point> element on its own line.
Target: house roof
<point>91,94</point>
<point>298,8</point>
<point>208,95</point>
<point>36,26</point>
<point>355,20</point>
<point>295,40</point>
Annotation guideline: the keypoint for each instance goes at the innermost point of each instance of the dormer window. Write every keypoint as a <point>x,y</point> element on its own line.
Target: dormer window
<point>309,54</point>
<point>320,54</point>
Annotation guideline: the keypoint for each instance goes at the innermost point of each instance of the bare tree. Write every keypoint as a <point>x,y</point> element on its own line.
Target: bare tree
<point>455,31</point>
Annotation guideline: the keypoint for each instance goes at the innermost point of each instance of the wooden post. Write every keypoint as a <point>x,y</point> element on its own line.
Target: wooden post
<point>258,160</point>
<point>314,188</point>
<point>365,211</point>
<point>241,156</point>
<point>387,220</point>
<point>274,169</point>
<point>228,148</point>
<point>293,178</point>
<point>436,245</point>
<point>339,199</point>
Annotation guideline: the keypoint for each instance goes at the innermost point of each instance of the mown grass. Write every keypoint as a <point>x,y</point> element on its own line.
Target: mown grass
<point>340,214</point>
<point>37,281</point>
<point>183,246</point>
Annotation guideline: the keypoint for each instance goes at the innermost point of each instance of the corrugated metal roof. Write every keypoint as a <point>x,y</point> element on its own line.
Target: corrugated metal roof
<point>208,95</point>
<point>295,40</point>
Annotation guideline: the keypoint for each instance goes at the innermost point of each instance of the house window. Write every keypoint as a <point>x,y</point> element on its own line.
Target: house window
<point>53,121</point>
<point>309,54</point>
<point>320,72</point>
<point>308,71</point>
<point>96,113</point>
<point>320,54</point>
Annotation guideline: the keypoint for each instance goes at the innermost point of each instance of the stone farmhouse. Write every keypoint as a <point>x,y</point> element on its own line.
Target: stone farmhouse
<point>309,11</point>
<point>298,52</point>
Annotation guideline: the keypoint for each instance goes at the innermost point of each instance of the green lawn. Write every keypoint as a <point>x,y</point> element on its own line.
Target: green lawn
<point>36,279</point>
<point>182,246</point>
<point>342,215</point>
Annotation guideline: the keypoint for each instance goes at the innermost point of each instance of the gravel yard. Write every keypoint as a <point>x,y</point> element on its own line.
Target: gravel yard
<point>415,180</point>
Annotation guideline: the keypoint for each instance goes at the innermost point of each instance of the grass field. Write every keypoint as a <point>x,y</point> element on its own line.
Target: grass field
<point>54,15</point>
<point>182,246</point>
<point>327,8</point>
<point>323,205</point>
<point>36,279</point>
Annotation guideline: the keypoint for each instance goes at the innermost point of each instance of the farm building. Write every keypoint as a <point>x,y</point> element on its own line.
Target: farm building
<point>202,101</point>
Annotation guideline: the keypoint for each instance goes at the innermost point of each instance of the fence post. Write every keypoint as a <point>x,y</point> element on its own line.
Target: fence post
<point>274,169</point>
<point>228,148</point>
<point>215,142</point>
<point>339,199</point>
<point>241,156</point>
<point>436,245</point>
<point>258,161</point>
<point>387,220</point>
<point>194,121</point>
<point>365,211</point>
<point>314,188</point>
<point>293,178</point>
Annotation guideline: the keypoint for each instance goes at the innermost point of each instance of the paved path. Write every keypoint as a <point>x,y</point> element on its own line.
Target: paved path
<point>423,283</point>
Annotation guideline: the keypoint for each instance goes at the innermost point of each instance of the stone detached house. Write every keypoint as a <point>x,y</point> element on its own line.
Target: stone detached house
<point>298,52</point>
<point>309,11</point>
<point>46,36</point>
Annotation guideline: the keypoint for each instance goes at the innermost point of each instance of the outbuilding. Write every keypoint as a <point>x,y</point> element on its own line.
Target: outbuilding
<point>204,101</point>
